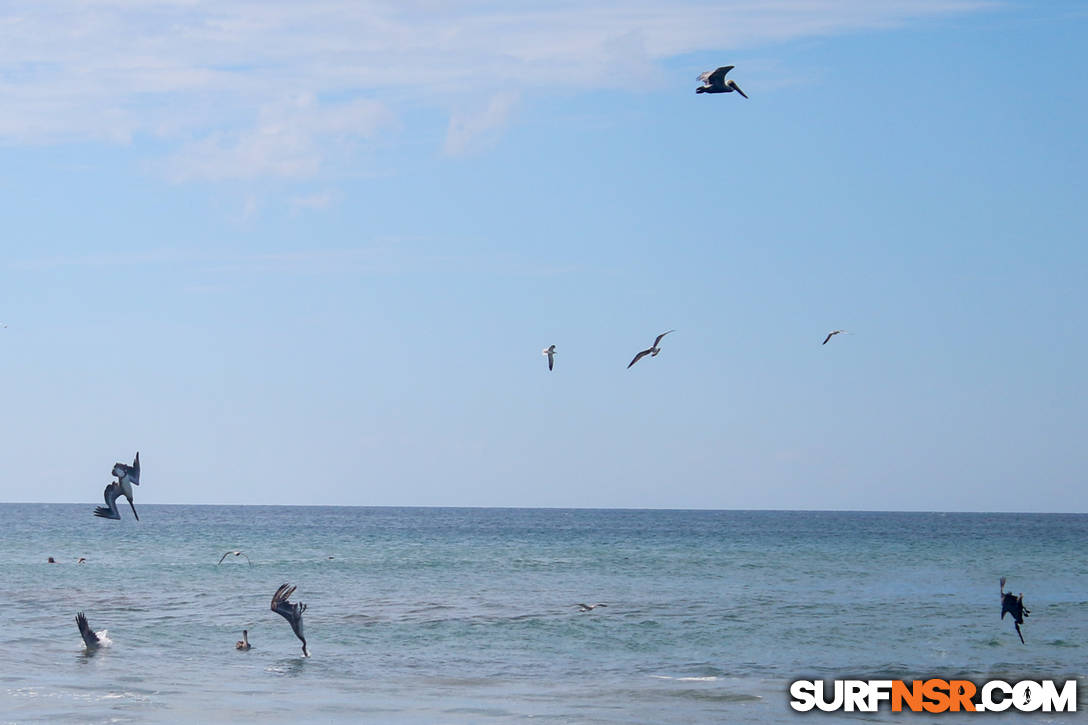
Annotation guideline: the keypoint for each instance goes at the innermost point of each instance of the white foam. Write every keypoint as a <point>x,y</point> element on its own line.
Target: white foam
<point>709,678</point>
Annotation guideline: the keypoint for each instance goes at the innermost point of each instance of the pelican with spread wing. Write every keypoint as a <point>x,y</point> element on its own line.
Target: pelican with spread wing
<point>127,477</point>
<point>291,612</point>
<point>714,82</point>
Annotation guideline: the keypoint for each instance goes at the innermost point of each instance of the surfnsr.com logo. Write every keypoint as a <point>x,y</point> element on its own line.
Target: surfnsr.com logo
<point>934,695</point>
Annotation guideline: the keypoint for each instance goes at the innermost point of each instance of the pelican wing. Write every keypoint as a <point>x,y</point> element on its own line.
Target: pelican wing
<point>658,339</point>
<point>733,84</point>
<point>638,357</point>
<point>89,637</point>
<point>109,511</point>
<point>715,77</point>
<point>292,612</point>
<point>829,336</point>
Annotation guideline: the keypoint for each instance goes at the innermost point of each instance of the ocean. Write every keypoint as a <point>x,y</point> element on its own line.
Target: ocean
<point>442,615</point>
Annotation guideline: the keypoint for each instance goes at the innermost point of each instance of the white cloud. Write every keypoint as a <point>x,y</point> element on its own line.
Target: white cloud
<point>469,132</point>
<point>209,78</point>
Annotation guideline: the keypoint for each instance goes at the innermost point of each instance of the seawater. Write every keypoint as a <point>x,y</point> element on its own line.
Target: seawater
<point>437,615</point>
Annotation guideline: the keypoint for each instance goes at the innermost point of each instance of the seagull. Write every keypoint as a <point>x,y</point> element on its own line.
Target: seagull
<point>588,607</point>
<point>243,643</point>
<point>714,82</point>
<point>91,640</point>
<point>127,476</point>
<point>831,335</point>
<point>551,353</point>
<point>652,352</point>
<point>291,612</point>
<point>1014,605</point>
<point>236,553</point>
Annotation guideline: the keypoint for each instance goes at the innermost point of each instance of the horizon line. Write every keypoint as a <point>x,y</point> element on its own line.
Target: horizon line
<point>564,508</point>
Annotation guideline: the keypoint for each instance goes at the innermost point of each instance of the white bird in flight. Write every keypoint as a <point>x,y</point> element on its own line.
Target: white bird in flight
<point>652,351</point>
<point>582,607</point>
<point>714,82</point>
<point>831,335</point>
<point>550,353</point>
<point>236,552</point>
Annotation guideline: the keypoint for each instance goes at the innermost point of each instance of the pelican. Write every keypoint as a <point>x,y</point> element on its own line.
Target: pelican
<point>236,553</point>
<point>550,352</point>
<point>652,352</point>
<point>714,82</point>
<point>127,476</point>
<point>291,612</point>
<point>91,640</point>
<point>832,334</point>
<point>588,607</point>
<point>1014,605</point>
<point>243,643</point>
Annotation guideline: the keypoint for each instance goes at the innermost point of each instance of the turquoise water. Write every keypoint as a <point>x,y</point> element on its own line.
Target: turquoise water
<point>466,615</point>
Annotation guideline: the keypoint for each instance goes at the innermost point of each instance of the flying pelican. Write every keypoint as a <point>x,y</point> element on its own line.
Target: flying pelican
<point>91,640</point>
<point>243,643</point>
<point>551,353</point>
<point>714,82</point>
<point>236,553</point>
<point>652,352</point>
<point>831,335</point>
<point>127,476</point>
<point>588,607</point>
<point>291,612</point>
<point>1014,605</point>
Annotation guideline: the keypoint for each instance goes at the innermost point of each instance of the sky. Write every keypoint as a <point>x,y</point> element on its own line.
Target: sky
<point>310,253</point>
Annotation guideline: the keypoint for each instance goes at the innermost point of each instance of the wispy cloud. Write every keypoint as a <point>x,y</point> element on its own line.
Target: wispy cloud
<point>471,131</point>
<point>273,88</point>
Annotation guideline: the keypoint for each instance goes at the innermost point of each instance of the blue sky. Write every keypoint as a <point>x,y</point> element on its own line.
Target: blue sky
<point>311,253</point>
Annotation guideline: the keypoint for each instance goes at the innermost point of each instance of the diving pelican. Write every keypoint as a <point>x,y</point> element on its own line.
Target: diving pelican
<point>1014,605</point>
<point>832,334</point>
<point>91,640</point>
<point>236,553</point>
<point>127,476</point>
<point>714,82</point>
<point>652,352</point>
<point>243,643</point>
<point>291,612</point>
<point>588,607</point>
<point>550,352</point>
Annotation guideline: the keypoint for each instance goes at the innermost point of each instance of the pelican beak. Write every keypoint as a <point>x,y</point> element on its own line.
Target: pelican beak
<point>134,509</point>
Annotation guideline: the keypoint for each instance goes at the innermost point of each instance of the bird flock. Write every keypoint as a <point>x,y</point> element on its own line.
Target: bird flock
<point>712,82</point>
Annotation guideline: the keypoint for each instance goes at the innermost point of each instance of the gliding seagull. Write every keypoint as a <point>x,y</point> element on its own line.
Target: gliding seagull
<point>291,612</point>
<point>551,353</point>
<point>831,335</point>
<point>127,476</point>
<point>236,553</point>
<point>589,607</point>
<point>652,352</point>
<point>1014,605</point>
<point>714,82</point>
